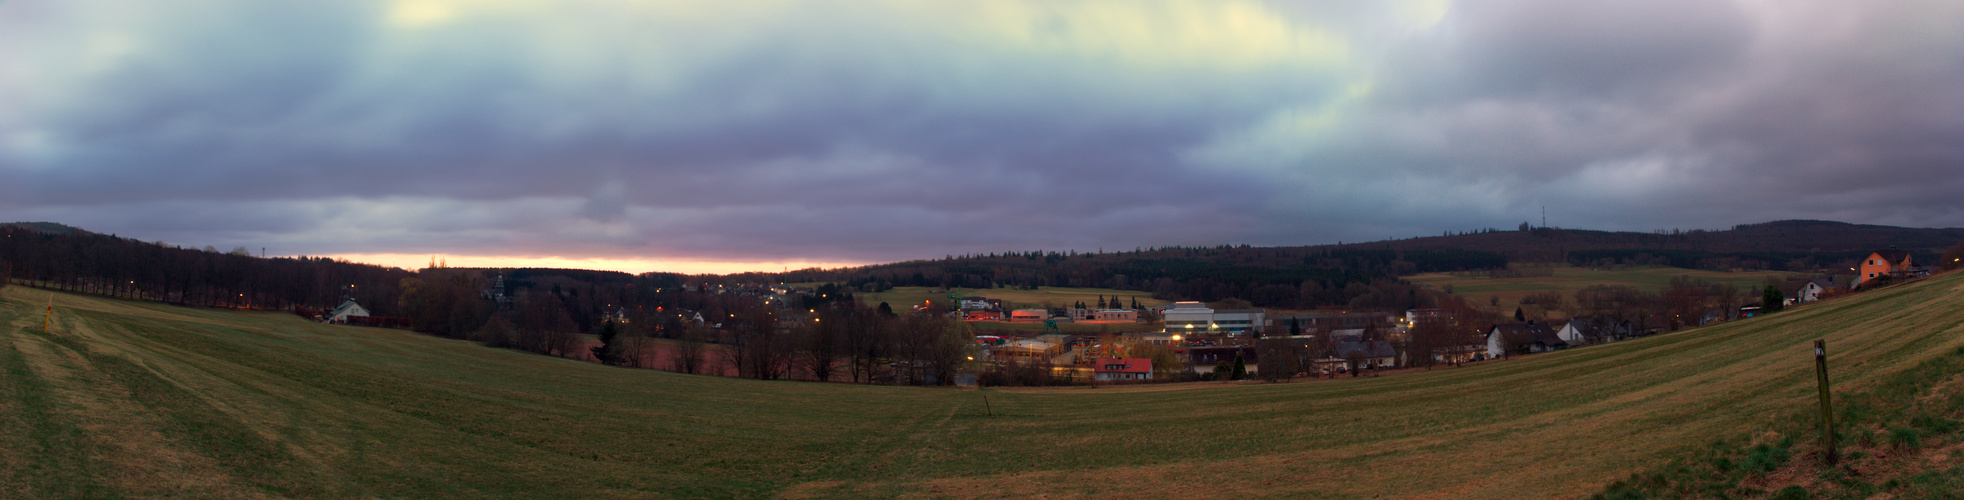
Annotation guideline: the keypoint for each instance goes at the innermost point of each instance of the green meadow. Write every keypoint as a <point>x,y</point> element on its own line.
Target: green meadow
<point>1566,280</point>
<point>123,399</point>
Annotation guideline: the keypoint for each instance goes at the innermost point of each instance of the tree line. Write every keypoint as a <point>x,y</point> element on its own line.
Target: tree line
<point>650,321</point>
<point>84,262</point>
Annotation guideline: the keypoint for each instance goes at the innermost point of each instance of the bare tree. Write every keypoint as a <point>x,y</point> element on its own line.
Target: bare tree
<point>688,354</point>
<point>1165,362</point>
<point>1279,358</point>
<point>634,342</point>
<point>822,339</point>
<point>866,343</point>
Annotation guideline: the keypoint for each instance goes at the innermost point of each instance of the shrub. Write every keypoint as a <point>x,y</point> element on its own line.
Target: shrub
<point>1938,425</point>
<point>1905,437</point>
<point>1765,458</point>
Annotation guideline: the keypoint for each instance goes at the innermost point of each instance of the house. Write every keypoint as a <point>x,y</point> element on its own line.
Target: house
<point>1529,337</point>
<point>979,303</point>
<point>1814,290</point>
<point>349,308</point>
<point>1457,353</point>
<point>1028,315</point>
<point>1113,369</point>
<point>497,294</point>
<point>1209,356</point>
<point>1883,264</point>
<point>981,316</point>
<point>1585,330</point>
<point>1370,353</point>
<point>618,316</point>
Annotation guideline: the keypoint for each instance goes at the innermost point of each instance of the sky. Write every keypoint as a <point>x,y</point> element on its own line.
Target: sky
<point>725,136</point>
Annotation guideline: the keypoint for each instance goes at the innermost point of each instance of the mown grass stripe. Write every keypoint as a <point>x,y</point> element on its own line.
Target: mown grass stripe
<point>45,456</point>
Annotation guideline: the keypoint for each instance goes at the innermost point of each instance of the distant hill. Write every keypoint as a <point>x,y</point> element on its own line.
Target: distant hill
<point>47,227</point>
<point>1325,275</point>
<point>1355,275</point>
<point>1781,240</point>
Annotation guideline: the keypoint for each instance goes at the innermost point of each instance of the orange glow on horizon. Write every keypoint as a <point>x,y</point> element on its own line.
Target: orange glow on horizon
<point>630,266</point>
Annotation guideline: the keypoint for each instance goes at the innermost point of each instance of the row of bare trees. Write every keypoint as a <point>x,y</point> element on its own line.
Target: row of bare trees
<point>843,341</point>
<point>85,262</point>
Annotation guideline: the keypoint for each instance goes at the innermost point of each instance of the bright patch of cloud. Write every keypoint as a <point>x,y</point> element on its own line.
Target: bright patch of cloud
<point>1162,35</point>
<point>420,13</point>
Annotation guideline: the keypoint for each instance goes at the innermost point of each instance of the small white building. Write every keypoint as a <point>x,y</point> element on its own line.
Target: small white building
<point>346,309</point>
<point>1814,289</point>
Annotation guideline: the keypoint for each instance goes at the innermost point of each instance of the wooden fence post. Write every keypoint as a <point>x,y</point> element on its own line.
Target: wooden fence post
<point>1827,405</point>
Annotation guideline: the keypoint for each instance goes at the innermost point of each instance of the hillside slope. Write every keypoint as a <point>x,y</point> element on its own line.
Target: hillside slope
<point>138,399</point>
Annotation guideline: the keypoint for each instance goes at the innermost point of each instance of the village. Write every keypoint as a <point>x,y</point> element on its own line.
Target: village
<point>1188,340</point>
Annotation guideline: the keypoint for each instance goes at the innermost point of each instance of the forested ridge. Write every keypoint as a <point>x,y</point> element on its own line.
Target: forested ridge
<point>1308,277</point>
<point>1357,275</point>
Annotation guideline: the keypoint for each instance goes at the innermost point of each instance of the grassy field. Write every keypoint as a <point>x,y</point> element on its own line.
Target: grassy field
<point>138,399</point>
<point>1567,279</point>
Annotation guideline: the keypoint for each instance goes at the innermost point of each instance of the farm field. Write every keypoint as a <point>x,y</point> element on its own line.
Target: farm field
<point>140,399</point>
<point>1567,279</point>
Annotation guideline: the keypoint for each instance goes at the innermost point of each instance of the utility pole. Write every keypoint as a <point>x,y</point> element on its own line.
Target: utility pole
<point>1827,406</point>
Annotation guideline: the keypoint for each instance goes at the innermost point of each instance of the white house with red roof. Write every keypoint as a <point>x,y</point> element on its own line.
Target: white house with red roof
<point>1110,369</point>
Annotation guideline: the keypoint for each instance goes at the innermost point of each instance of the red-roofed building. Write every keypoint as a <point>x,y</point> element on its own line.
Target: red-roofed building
<point>1123,369</point>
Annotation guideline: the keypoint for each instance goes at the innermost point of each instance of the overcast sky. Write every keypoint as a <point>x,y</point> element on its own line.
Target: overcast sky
<point>731,135</point>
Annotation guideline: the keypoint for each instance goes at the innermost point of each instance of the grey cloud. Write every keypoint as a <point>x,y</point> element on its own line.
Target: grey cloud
<point>875,132</point>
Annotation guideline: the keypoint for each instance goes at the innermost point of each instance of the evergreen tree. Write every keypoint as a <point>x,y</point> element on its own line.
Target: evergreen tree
<point>607,352</point>
<point>1520,315</point>
<point>1771,300</point>
<point>1240,367</point>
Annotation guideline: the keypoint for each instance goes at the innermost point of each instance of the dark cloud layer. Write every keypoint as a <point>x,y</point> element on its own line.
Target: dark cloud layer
<point>775,131</point>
